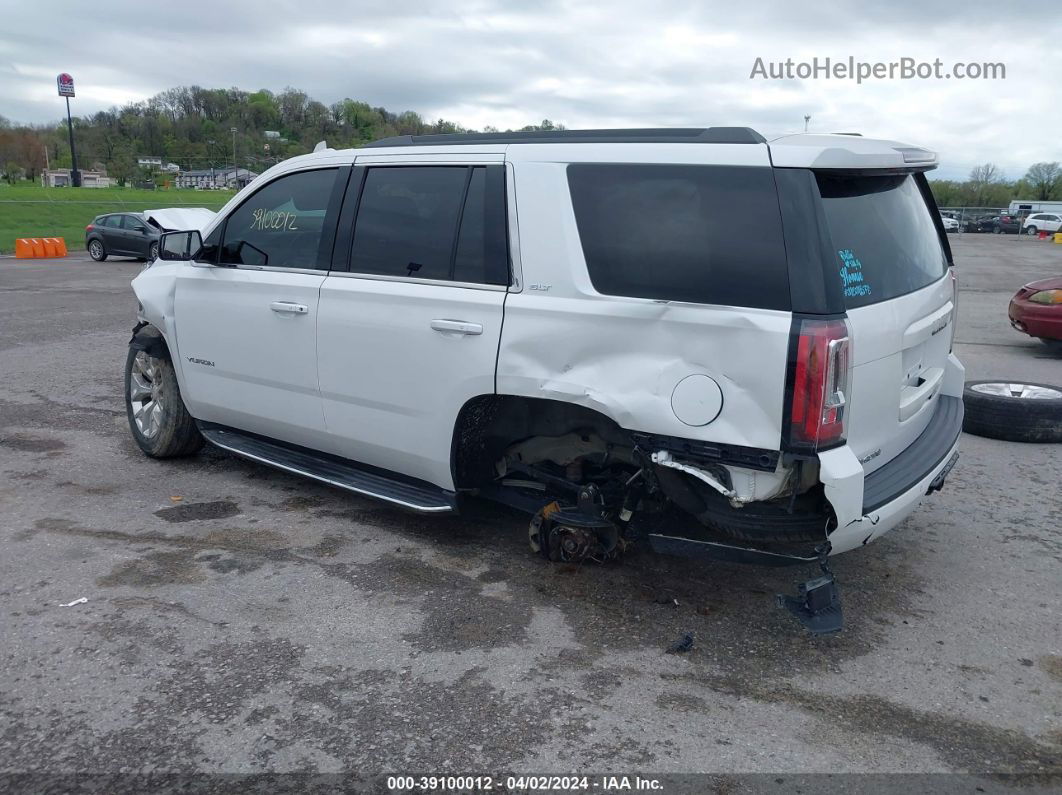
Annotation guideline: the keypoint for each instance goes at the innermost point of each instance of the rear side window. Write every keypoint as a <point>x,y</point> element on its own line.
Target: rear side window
<point>432,222</point>
<point>704,234</point>
<point>113,221</point>
<point>282,224</point>
<point>886,244</point>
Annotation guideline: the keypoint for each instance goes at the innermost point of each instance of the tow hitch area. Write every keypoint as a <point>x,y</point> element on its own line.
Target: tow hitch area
<point>818,603</point>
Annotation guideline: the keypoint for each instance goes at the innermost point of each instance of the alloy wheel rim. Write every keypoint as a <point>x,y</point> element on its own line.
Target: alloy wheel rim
<point>145,394</point>
<point>97,249</point>
<point>1017,390</point>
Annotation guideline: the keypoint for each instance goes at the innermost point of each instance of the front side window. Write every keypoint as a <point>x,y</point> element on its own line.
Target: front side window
<point>282,224</point>
<point>886,244</point>
<point>432,222</point>
<point>702,234</point>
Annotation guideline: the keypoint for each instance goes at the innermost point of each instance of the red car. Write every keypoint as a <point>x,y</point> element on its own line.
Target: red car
<point>1036,310</point>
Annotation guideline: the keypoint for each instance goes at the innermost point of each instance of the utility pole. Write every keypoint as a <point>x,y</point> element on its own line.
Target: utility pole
<point>66,89</point>
<point>235,168</point>
<point>807,118</point>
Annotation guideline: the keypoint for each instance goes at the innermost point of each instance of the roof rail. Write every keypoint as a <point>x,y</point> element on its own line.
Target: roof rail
<point>659,135</point>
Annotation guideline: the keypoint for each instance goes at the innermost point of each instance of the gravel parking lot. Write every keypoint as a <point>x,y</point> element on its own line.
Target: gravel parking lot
<point>242,620</point>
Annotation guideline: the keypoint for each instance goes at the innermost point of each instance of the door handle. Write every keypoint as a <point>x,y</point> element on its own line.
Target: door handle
<point>913,398</point>
<point>457,326</point>
<point>289,308</point>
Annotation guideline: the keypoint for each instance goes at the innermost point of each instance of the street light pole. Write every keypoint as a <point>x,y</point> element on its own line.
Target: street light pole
<point>235,168</point>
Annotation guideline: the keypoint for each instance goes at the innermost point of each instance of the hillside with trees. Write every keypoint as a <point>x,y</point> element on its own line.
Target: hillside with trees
<point>190,126</point>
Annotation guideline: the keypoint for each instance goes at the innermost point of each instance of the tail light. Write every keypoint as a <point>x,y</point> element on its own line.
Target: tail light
<point>820,376</point>
<point>89,228</point>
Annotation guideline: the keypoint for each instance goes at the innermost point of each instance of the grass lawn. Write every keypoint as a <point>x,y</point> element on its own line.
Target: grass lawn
<point>32,211</point>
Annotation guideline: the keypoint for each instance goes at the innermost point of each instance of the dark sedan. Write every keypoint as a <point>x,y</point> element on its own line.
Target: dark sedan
<point>122,235</point>
<point>1036,310</point>
<point>999,224</point>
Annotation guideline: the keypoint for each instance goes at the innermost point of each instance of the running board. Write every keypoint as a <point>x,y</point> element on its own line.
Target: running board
<point>420,497</point>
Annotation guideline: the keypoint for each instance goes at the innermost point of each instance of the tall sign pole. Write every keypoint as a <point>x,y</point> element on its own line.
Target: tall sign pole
<point>66,89</point>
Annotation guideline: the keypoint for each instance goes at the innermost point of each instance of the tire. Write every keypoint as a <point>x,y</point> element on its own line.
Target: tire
<point>96,249</point>
<point>153,252</point>
<point>997,230</point>
<point>1055,346</point>
<point>158,419</point>
<point>1013,411</point>
<point>1031,230</point>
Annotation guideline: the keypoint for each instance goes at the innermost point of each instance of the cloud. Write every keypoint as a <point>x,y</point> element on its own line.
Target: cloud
<point>510,63</point>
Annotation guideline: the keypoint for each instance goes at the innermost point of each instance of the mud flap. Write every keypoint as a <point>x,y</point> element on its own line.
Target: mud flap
<point>818,602</point>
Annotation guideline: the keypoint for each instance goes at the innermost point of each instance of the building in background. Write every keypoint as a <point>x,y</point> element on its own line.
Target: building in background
<point>213,178</point>
<point>60,178</point>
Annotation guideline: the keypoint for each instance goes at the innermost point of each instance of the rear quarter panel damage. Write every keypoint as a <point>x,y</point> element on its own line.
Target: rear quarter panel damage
<point>623,356</point>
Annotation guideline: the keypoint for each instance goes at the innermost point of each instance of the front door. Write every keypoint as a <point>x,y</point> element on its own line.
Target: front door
<point>410,332</point>
<point>247,319</point>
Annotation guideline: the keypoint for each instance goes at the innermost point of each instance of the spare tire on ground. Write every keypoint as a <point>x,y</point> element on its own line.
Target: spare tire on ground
<point>1013,411</point>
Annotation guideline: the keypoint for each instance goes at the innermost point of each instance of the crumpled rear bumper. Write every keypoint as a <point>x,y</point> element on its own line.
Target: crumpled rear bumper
<point>867,507</point>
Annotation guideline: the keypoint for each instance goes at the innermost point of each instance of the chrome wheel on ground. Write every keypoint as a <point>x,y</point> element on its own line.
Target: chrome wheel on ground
<point>1014,411</point>
<point>1026,391</point>
<point>97,251</point>
<point>153,252</point>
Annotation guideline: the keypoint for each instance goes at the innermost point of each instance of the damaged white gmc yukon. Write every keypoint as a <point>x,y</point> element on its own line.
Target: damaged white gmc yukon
<point>615,330</point>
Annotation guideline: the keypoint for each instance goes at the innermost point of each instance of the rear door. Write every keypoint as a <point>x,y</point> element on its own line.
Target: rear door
<point>409,333</point>
<point>113,235</point>
<point>899,298</point>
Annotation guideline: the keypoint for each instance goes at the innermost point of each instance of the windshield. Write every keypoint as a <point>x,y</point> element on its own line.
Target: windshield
<point>885,242</point>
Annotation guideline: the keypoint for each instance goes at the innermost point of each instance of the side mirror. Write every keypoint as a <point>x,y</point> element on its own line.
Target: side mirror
<point>139,228</point>
<point>180,246</point>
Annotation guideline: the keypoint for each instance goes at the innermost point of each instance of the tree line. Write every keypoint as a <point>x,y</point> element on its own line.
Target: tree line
<point>190,126</point>
<point>987,186</point>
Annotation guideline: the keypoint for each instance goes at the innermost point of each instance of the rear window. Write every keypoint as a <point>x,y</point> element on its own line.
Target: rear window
<point>704,234</point>
<point>886,244</point>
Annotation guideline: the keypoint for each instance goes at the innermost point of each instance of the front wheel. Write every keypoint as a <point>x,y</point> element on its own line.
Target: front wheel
<point>158,419</point>
<point>96,250</point>
<point>997,230</point>
<point>153,252</point>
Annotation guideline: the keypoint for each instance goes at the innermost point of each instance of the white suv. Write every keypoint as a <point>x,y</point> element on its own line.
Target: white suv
<point>1042,222</point>
<point>615,330</point>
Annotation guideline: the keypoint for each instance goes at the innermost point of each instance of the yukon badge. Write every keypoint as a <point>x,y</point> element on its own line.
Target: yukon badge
<point>194,360</point>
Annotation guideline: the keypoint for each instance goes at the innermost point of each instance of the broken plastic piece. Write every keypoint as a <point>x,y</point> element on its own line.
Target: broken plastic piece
<point>682,645</point>
<point>80,601</point>
<point>664,459</point>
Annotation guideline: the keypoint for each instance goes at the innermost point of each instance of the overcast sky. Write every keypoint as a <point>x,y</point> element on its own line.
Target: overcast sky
<point>585,65</point>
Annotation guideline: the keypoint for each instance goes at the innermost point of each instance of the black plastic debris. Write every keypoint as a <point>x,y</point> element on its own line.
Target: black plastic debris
<point>818,607</point>
<point>682,645</point>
